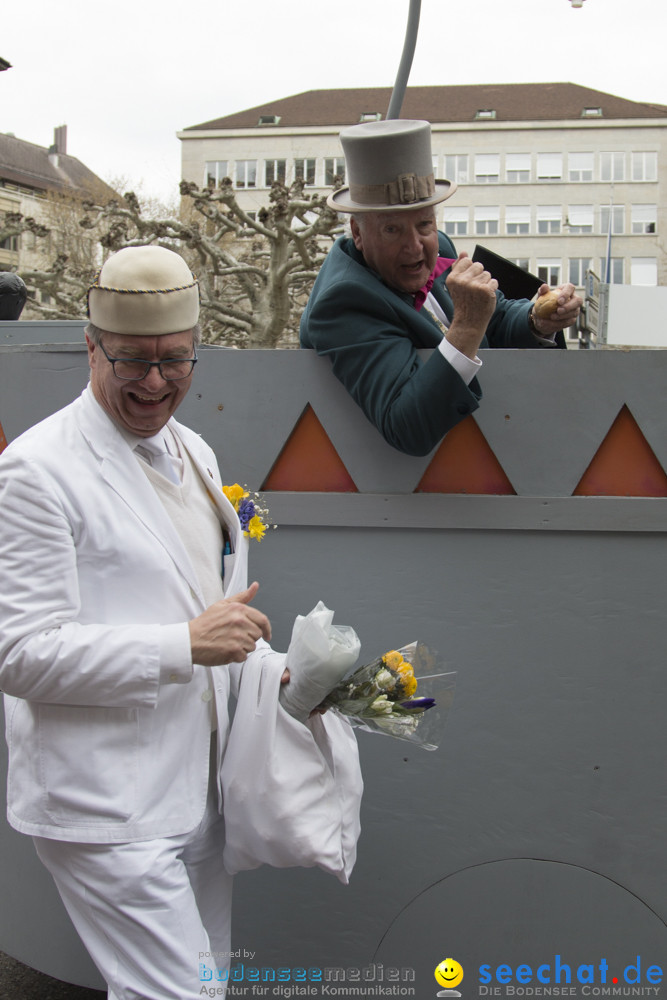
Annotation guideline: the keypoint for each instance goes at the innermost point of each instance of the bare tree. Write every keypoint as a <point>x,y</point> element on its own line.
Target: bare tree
<point>62,257</point>
<point>14,224</point>
<point>255,273</point>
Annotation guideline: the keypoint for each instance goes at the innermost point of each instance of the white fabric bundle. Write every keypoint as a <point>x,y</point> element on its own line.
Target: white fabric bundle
<point>291,790</point>
<point>318,657</point>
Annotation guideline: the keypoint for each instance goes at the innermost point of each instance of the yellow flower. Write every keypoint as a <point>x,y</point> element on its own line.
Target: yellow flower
<point>234,494</point>
<point>393,659</point>
<point>255,528</point>
<point>405,669</point>
<point>409,684</point>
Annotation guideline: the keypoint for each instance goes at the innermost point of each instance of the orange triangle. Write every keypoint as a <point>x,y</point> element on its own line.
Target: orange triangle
<point>309,462</point>
<point>464,463</point>
<point>3,440</point>
<point>624,464</point>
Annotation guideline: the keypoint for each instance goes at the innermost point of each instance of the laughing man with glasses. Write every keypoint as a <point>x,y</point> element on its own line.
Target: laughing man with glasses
<point>120,642</point>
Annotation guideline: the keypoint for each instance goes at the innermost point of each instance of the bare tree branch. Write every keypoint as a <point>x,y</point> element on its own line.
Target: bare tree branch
<point>255,273</point>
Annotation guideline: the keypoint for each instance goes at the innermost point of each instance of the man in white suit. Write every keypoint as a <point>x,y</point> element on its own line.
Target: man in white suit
<point>116,627</point>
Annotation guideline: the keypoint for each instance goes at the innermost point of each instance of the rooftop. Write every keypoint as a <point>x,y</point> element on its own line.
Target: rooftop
<point>509,101</point>
<point>45,169</point>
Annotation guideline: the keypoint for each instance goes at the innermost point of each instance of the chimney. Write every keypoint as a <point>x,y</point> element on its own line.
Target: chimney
<point>59,147</point>
<point>60,139</point>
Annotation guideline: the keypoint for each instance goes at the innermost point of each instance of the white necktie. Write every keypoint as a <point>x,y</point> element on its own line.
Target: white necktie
<point>154,451</point>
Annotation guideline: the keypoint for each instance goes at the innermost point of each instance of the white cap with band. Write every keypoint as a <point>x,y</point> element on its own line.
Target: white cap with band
<point>144,291</point>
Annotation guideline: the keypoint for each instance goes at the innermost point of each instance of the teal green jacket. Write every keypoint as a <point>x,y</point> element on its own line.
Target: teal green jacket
<point>372,334</point>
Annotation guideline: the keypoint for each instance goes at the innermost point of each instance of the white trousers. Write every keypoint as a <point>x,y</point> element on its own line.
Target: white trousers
<point>148,911</point>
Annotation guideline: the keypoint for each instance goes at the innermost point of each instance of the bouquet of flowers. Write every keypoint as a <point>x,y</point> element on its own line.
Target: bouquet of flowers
<point>402,694</point>
<point>254,518</point>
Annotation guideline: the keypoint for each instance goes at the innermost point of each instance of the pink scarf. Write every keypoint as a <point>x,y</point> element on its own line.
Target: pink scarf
<point>441,265</point>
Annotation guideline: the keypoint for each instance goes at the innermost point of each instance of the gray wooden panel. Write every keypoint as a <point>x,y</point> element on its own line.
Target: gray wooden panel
<point>519,915</point>
<point>38,332</point>
<point>550,608</point>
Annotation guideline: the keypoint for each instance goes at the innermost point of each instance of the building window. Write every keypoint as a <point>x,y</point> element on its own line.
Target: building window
<point>214,171</point>
<point>456,168</point>
<point>485,113</point>
<point>11,243</point>
<point>617,215</point>
<point>578,268</point>
<point>304,170</point>
<point>274,170</point>
<point>579,219</point>
<point>517,220</point>
<point>612,166</point>
<point>644,166</point>
<point>487,219</point>
<point>517,168</point>
<point>549,219</point>
<point>456,221</point>
<point>522,262</point>
<point>580,167</point>
<point>616,270</point>
<point>334,168</point>
<point>246,173</point>
<point>549,166</point>
<point>643,271</point>
<point>487,168</point>
<point>548,271</point>
<point>644,218</point>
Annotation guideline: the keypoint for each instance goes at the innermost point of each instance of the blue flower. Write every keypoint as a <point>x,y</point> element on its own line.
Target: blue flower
<point>246,512</point>
<point>421,703</point>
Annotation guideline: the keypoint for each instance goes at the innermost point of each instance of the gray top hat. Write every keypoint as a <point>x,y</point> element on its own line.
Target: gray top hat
<point>389,168</point>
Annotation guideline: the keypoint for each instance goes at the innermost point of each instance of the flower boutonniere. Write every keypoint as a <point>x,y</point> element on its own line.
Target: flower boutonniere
<point>253,517</point>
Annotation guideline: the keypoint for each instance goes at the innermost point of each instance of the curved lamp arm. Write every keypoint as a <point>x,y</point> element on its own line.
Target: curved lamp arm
<point>401,83</point>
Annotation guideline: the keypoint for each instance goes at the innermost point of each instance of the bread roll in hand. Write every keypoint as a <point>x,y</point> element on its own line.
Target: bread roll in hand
<point>546,305</point>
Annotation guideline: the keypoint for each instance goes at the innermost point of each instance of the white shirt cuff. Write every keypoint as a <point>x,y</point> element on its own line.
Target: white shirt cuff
<point>549,339</point>
<point>175,654</point>
<point>466,367</point>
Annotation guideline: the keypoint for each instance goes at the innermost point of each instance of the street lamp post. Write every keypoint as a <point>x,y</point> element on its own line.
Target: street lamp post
<point>398,93</point>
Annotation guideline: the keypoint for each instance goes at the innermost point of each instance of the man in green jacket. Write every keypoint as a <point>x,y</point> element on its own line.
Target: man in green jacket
<point>397,286</point>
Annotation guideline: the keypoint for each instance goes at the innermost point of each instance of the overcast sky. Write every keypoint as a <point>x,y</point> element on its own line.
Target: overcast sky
<point>126,77</point>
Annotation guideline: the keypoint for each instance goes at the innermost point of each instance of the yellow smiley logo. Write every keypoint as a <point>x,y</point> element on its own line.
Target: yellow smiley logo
<point>449,973</point>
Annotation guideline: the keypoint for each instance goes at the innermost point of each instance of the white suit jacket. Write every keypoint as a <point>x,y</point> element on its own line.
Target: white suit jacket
<point>92,570</point>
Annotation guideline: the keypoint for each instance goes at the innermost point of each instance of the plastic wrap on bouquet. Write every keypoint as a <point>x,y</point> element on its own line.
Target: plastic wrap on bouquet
<point>403,694</point>
<point>319,655</point>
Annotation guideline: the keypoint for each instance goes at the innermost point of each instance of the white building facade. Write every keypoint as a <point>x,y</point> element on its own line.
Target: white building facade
<point>558,178</point>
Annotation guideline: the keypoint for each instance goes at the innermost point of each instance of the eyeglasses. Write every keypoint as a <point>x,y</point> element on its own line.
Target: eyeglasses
<point>134,369</point>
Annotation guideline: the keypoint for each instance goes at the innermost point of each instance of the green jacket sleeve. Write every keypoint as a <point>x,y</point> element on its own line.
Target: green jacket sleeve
<point>413,403</point>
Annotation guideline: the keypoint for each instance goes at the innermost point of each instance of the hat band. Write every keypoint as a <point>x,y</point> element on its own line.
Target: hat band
<point>136,291</point>
<point>407,189</point>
